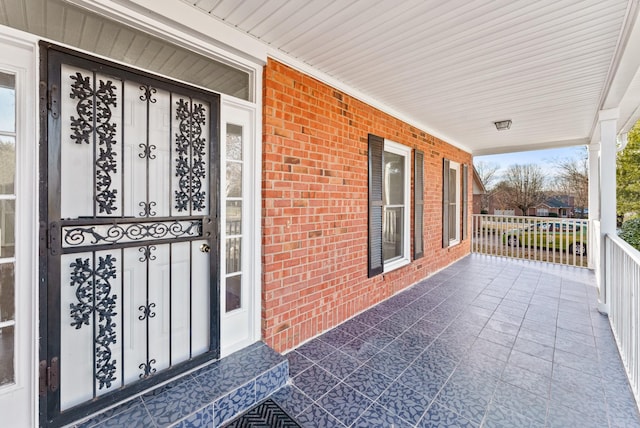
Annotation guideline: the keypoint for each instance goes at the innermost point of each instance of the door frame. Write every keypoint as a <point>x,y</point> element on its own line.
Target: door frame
<point>49,408</point>
<point>19,400</point>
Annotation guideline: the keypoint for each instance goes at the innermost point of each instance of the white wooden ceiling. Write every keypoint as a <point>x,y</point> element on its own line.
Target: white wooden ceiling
<point>450,67</point>
<point>455,66</point>
<point>67,24</point>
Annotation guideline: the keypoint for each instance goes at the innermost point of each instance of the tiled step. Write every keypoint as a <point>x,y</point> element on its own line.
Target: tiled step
<point>207,397</point>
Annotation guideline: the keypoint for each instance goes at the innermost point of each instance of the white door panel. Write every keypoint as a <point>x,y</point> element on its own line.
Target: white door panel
<point>239,288</point>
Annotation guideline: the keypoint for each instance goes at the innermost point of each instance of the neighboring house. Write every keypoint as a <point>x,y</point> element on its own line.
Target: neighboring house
<point>480,196</point>
<point>559,206</point>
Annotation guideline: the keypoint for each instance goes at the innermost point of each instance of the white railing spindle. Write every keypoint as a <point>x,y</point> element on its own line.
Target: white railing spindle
<point>623,266</point>
<point>549,239</point>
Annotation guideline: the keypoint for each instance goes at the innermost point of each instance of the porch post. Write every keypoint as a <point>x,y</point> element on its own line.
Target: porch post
<point>594,206</point>
<point>608,128</point>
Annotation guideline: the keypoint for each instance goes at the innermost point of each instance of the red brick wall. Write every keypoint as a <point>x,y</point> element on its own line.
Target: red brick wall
<point>314,206</point>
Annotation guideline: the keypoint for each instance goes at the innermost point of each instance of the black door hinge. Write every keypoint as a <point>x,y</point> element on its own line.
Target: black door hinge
<point>49,376</point>
<point>53,238</point>
<point>50,95</point>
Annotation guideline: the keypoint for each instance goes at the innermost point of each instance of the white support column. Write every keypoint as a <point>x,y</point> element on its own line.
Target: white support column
<point>594,181</point>
<point>594,209</point>
<point>607,195</point>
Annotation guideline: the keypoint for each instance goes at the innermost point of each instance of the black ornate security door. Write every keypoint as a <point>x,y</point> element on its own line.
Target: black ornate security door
<point>131,231</point>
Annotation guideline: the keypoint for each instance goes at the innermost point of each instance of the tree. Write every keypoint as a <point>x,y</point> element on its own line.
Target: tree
<point>628,175</point>
<point>572,179</point>
<point>487,174</point>
<point>523,186</point>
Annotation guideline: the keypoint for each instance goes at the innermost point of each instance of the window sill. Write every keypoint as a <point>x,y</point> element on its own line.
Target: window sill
<point>396,264</point>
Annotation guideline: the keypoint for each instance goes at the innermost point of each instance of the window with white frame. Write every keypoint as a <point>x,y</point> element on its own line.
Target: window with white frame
<point>454,202</point>
<point>396,204</point>
<point>389,206</point>
<point>7,226</point>
<point>542,212</point>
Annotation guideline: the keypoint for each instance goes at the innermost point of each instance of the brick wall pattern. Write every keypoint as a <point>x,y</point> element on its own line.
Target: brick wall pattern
<point>314,206</point>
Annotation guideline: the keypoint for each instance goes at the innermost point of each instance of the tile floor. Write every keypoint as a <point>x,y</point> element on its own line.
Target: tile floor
<point>204,398</point>
<point>487,342</point>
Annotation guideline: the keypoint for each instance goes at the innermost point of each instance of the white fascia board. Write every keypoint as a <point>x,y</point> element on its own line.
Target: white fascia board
<point>627,61</point>
<point>341,86</point>
<point>530,147</point>
<point>184,25</point>
<point>620,90</point>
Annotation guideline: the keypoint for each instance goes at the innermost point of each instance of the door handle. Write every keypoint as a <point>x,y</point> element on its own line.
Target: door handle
<point>205,248</point>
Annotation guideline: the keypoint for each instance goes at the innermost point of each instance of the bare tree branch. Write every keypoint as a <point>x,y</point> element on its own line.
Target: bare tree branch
<point>523,186</point>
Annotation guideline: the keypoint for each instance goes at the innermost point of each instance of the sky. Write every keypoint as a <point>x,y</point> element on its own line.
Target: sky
<point>544,158</point>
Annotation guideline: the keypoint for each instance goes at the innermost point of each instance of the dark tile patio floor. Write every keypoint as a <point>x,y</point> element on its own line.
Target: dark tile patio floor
<point>488,342</point>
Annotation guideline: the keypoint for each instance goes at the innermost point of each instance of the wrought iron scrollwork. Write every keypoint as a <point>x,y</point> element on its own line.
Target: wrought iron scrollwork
<point>148,92</point>
<point>147,150</point>
<point>147,311</point>
<point>146,209</point>
<point>147,368</point>
<point>130,232</point>
<point>146,253</point>
<point>94,116</point>
<point>93,292</point>
<point>82,126</point>
<point>147,96</point>
<point>191,151</point>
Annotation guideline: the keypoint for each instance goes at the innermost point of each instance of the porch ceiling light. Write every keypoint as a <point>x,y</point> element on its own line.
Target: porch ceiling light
<point>503,125</point>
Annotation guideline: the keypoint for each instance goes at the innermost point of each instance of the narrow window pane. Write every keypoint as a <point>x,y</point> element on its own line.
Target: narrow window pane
<point>393,179</point>
<point>7,164</point>
<point>7,103</point>
<point>453,203</point>
<point>234,217</point>
<point>453,180</point>
<point>392,233</point>
<point>234,180</point>
<point>6,355</point>
<point>234,292</point>
<point>7,292</point>
<point>452,222</point>
<point>234,142</point>
<point>7,224</point>
<point>234,251</point>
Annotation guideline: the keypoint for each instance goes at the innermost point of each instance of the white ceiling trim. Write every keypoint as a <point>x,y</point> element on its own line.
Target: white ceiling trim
<point>204,35</point>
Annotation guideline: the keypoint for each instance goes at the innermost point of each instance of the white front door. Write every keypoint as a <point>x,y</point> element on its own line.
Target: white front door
<point>240,274</point>
<point>18,230</point>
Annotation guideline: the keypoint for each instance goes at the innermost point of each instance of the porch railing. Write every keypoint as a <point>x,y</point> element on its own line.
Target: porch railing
<point>623,276</point>
<point>548,239</point>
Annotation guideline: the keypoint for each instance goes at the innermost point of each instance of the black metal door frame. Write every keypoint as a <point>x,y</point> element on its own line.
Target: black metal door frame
<point>51,59</point>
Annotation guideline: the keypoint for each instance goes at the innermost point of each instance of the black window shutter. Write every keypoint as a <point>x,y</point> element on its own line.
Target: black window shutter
<point>376,159</point>
<point>465,200</point>
<point>418,205</point>
<point>445,203</point>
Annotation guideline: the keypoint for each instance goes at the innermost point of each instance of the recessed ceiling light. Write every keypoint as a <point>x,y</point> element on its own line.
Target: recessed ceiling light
<point>503,125</point>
